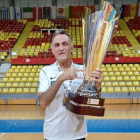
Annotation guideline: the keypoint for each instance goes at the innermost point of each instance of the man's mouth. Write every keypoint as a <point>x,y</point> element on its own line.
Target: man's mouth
<point>61,53</point>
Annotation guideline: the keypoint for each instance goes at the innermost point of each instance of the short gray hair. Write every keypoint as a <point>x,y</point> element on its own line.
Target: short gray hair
<point>62,32</point>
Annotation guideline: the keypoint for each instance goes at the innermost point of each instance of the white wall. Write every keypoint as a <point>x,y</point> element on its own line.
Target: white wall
<point>47,3</point>
<point>33,3</point>
<point>4,3</point>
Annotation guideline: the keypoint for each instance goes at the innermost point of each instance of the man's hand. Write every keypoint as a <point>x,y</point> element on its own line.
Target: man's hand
<point>69,74</point>
<point>97,78</point>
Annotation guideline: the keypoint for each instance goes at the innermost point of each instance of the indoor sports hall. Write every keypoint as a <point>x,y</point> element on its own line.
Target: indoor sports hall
<point>26,30</point>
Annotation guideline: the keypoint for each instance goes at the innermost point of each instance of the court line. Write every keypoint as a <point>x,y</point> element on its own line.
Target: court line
<point>2,135</point>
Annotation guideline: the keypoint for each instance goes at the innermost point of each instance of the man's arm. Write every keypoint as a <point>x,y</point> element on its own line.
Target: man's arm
<point>47,97</point>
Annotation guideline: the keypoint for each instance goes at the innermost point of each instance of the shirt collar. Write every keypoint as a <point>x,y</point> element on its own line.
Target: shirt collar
<point>58,67</point>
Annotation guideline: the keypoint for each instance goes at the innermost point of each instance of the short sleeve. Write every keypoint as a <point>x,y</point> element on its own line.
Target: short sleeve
<point>43,81</point>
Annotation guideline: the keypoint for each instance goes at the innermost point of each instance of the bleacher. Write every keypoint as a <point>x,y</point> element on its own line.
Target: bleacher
<point>31,50</point>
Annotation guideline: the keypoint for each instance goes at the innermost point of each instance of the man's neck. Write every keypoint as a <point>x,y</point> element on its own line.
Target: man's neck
<point>65,65</point>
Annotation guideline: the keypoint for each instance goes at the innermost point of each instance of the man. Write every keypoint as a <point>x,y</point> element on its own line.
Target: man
<point>55,79</point>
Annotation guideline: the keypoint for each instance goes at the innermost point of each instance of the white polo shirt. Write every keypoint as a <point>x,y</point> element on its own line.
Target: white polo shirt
<point>61,124</point>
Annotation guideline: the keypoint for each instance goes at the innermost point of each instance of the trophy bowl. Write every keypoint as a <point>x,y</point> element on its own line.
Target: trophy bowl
<point>98,30</point>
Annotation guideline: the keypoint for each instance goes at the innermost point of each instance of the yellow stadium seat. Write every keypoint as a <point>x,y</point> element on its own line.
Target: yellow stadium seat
<point>8,75</point>
<point>130,73</point>
<point>119,65</point>
<point>5,90</point>
<point>124,73</point>
<point>125,65</point>
<point>37,74</point>
<point>117,89</point>
<point>13,67</point>
<point>40,66</point>
<point>26,74</point>
<point>16,70</point>
<point>38,70</point>
<point>30,79</point>
<point>18,90</point>
<point>36,79</point>
<point>19,67</point>
<point>133,78</point>
<point>119,78</point>
<point>104,90</point>
<point>105,73</point>
<point>34,84</point>
<point>106,78</point>
<point>117,73</point>
<point>30,66</point>
<point>136,65</point>
<point>11,70</point>
<point>33,70</point>
<point>113,78</point>
<point>132,89</point>
<point>110,89</point>
<point>104,69</point>
<point>11,90</point>
<point>109,69</point>
<point>126,78</point>
<point>28,70</point>
<point>108,84</point>
<point>129,83</point>
<point>138,89</point>
<point>35,66</point>
<point>111,73</point>
<point>113,65</point>
<point>138,69</point>
<point>102,84</point>
<point>130,65</point>
<point>122,84</point>
<point>25,90</point>
<point>23,79</point>
<point>24,67</point>
<point>127,69</point>
<point>32,74</point>
<point>136,83</point>
<point>5,80</point>
<point>14,74</point>
<point>121,69</point>
<point>33,90</point>
<point>136,73</point>
<point>138,77</point>
<point>115,69</point>
<point>107,65</point>
<point>102,66</point>
<point>2,85</point>
<point>20,75</point>
<point>125,89</point>
<point>17,79</point>
<point>28,85</point>
<point>21,85</point>
<point>115,84</point>
<point>8,85</point>
<point>15,85</point>
<point>22,70</point>
<point>11,79</point>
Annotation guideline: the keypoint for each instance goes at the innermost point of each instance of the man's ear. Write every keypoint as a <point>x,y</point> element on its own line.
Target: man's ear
<point>52,51</point>
<point>72,48</point>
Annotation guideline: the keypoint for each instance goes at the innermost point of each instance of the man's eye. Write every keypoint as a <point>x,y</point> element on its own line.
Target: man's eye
<point>56,45</point>
<point>65,43</point>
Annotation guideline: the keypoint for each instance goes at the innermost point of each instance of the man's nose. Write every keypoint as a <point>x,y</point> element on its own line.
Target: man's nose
<point>61,47</point>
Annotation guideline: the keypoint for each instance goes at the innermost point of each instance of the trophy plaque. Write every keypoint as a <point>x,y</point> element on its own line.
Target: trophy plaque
<point>98,29</point>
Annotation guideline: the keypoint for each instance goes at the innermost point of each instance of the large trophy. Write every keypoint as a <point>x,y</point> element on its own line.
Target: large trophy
<point>98,29</point>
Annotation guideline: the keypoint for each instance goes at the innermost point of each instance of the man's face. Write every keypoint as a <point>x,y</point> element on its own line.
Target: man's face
<point>61,47</point>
